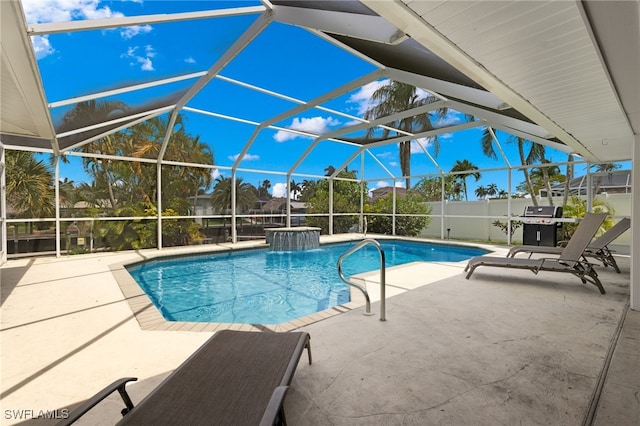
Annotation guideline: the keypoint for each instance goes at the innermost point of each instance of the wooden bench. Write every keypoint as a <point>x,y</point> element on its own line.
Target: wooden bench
<point>236,377</point>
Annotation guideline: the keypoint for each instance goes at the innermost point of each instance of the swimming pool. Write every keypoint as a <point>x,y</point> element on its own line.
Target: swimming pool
<point>269,287</point>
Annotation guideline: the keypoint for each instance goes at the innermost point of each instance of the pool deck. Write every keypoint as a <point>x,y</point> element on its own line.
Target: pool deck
<point>503,347</point>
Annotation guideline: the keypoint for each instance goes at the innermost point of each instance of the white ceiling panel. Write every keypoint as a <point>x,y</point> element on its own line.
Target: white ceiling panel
<point>542,57</point>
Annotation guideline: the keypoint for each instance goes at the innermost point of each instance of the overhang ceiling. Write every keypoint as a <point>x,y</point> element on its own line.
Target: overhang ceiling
<point>571,67</point>
<point>563,73</point>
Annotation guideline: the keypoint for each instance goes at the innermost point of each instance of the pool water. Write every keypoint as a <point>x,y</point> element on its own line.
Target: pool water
<point>269,287</point>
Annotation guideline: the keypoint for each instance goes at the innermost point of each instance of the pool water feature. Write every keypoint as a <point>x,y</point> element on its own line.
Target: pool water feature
<point>299,238</point>
<point>261,286</point>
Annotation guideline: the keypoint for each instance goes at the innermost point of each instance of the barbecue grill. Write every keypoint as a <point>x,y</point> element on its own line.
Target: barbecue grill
<point>540,225</point>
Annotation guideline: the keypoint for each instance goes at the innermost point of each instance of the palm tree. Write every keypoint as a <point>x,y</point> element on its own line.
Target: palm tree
<point>178,182</point>
<point>577,207</point>
<point>221,197</point>
<point>543,177</point>
<point>492,189</point>
<point>603,168</point>
<point>536,152</point>
<point>329,170</point>
<point>91,112</point>
<point>465,166</point>
<point>396,97</point>
<point>263,190</point>
<point>295,189</point>
<point>68,195</point>
<point>568,179</point>
<point>481,192</point>
<point>308,189</point>
<point>29,185</point>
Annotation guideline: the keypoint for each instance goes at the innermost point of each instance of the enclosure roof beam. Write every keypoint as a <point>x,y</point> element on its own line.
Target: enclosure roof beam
<point>379,163</point>
<point>127,89</point>
<point>365,125</point>
<point>143,116</point>
<point>495,139</point>
<point>308,105</point>
<point>243,41</point>
<point>130,21</point>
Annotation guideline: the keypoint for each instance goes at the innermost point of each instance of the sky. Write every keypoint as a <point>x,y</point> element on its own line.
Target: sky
<point>283,59</point>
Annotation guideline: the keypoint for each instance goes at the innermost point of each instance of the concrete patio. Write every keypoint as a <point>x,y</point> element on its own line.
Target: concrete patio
<point>505,347</point>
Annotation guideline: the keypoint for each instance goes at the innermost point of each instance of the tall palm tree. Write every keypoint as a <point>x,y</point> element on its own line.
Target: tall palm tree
<point>92,112</point>
<point>543,177</point>
<point>177,181</point>
<point>568,179</point>
<point>536,152</point>
<point>470,169</point>
<point>396,97</point>
<point>263,190</point>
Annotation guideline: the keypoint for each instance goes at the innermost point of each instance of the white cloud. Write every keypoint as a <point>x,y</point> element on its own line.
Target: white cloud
<point>393,163</point>
<point>144,59</point>
<point>130,32</point>
<point>147,65</point>
<point>44,11</point>
<point>313,125</point>
<point>215,174</point>
<point>415,145</point>
<point>385,154</point>
<point>247,157</point>
<point>38,11</point>
<point>279,190</point>
<point>190,60</point>
<point>452,117</point>
<point>385,184</point>
<point>41,46</point>
<point>362,97</point>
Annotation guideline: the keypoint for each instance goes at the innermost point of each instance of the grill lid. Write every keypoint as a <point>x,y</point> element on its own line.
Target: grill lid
<point>543,211</point>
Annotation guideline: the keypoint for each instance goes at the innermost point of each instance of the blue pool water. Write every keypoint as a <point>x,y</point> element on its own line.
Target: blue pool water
<point>269,287</point>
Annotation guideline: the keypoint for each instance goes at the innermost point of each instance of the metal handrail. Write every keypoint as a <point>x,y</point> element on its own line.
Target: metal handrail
<point>358,286</point>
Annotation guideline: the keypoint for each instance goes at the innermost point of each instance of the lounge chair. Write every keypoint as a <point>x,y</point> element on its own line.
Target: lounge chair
<point>598,248</point>
<point>235,378</point>
<point>570,260</point>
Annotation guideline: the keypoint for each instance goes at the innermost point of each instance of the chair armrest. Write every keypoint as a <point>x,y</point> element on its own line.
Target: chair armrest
<point>118,385</point>
<point>275,406</point>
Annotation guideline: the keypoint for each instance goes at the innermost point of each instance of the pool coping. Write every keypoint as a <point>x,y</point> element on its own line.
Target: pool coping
<point>150,318</point>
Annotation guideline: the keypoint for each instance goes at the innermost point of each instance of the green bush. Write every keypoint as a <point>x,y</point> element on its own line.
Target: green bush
<point>405,225</point>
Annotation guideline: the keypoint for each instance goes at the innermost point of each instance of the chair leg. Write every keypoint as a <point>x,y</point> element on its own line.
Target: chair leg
<point>470,270</point>
<point>608,259</point>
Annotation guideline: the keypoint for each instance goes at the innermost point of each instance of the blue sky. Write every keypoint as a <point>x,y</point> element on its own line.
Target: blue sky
<point>283,59</point>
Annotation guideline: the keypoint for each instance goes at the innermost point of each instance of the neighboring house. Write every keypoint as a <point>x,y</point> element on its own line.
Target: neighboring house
<point>616,182</point>
<point>278,206</point>
<point>386,190</point>
<point>274,206</point>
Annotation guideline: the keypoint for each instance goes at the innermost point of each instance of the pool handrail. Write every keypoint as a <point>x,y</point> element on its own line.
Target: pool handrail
<point>348,281</point>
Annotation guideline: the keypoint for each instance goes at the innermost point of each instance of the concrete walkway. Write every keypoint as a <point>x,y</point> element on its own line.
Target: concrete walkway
<point>505,347</point>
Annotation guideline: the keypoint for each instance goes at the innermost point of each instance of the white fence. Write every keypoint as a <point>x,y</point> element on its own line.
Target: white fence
<point>473,219</point>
